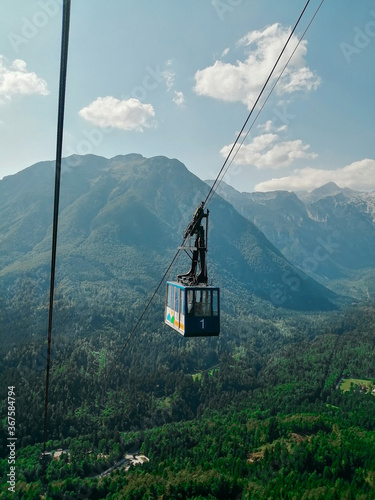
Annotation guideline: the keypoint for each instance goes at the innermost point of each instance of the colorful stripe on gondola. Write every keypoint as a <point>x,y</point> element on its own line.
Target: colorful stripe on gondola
<point>171,319</point>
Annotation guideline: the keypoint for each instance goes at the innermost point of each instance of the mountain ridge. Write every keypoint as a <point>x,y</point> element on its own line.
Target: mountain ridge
<point>327,233</point>
<point>120,222</point>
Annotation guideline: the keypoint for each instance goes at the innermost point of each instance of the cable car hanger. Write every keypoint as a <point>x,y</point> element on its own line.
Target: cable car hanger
<point>199,250</point>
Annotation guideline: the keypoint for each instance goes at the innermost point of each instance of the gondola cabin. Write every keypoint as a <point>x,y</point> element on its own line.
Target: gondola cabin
<point>193,311</point>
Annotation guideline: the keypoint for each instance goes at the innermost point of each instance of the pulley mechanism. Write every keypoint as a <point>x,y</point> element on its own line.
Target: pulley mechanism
<point>198,271</point>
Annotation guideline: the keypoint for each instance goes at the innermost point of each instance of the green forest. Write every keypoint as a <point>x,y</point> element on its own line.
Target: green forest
<point>258,413</point>
<point>279,406</point>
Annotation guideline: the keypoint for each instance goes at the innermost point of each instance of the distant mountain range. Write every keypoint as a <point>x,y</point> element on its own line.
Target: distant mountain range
<point>121,221</point>
<point>328,233</point>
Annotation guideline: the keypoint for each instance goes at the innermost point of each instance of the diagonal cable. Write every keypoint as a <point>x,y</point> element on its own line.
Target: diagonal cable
<point>213,188</point>
<point>265,101</point>
<point>144,312</point>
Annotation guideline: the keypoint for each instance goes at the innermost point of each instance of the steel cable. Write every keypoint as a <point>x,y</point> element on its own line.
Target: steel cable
<point>60,127</point>
<point>213,188</point>
<point>264,103</point>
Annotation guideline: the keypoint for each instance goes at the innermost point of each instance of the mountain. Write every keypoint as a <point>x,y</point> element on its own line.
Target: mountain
<point>121,221</point>
<point>328,233</point>
<point>329,189</point>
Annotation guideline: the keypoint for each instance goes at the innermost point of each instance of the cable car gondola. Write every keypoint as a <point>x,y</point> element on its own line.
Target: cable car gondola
<point>192,307</point>
<point>193,311</point>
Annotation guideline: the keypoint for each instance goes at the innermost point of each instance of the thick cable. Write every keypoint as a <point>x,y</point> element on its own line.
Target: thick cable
<point>60,127</point>
<point>213,188</point>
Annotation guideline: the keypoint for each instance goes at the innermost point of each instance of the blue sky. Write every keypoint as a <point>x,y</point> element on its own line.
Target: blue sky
<point>178,77</point>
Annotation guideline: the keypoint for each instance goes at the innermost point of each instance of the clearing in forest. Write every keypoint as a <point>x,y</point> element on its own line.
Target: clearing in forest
<point>365,385</point>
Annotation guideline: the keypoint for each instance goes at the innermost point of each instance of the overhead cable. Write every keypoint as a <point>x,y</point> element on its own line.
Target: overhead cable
<point>265,101</point>
<point>213,187</point>
<point>60,127</point>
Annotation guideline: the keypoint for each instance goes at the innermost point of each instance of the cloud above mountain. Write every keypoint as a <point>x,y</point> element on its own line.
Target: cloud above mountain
<point>359,175</point>
<point>127,114</point>
<point>268,151</point>
<point>169,76</point>
<point>16,79</point>
<point>243,80</point>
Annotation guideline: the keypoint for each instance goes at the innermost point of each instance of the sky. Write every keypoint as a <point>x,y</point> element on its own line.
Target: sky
<point>178,78</point>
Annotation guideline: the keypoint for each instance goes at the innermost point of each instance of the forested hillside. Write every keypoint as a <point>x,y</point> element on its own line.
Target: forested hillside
<point>120,223</point>
<point>280,405</point>
<point>256,414</point>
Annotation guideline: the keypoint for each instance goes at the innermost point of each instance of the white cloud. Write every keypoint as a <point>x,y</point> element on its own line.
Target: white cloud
<point>298,79</point>
<point>178,98</point>
<point>15,79</point>
<point>359,175</point>
<point>266,151</point>
<point>243,80</point>
<point>128,114</point>
<point>169,77</point>
<point>269,126</point>
<point>223,81</point>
